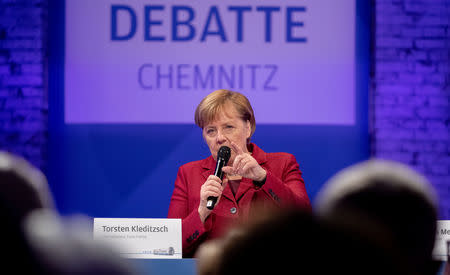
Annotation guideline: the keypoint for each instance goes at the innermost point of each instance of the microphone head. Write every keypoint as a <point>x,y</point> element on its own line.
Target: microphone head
<point>224,153</point>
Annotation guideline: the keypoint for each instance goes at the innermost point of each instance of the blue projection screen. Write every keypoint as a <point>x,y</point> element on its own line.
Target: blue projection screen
<point>126,77</point>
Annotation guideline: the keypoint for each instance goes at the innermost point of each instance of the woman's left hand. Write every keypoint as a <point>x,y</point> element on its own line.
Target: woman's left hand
<point>245,165</point>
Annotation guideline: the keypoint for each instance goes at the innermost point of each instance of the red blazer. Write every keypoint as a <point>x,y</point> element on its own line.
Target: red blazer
<point>284,186</point>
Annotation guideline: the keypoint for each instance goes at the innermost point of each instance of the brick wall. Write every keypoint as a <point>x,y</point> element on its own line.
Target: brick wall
<point>411,88</point>
<point>23,96</point>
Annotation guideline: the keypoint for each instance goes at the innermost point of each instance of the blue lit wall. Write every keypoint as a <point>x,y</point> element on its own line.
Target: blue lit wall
<point>128,169</point>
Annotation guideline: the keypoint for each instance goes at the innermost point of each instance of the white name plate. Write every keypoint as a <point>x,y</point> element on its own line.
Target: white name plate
<point>141,238</point>
<point>442,237</point>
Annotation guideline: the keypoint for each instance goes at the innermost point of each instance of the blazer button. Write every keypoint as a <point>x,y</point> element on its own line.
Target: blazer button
<point>233,210</point>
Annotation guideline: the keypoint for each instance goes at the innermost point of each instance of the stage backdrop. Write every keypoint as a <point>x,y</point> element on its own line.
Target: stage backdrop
<point>126,77</point>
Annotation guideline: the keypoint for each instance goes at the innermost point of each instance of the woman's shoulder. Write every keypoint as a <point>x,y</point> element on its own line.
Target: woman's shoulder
<point>197,164</point>
<point>280,156</point>
<point>192,164</point>
<point>261,155</point>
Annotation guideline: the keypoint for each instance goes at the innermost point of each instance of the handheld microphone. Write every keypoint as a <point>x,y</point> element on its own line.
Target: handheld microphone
<point>222,158</point>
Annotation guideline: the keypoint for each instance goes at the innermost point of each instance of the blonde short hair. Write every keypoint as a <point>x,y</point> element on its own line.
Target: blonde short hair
<point>214,103</point>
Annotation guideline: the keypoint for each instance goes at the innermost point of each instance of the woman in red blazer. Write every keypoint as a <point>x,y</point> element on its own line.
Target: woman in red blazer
<point>251,177</point>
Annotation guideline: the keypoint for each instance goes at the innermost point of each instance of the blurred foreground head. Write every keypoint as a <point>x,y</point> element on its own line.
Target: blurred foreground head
<point>23,190</point>
<point>294,241</point>
<point>36,239</point>
<point>64,246</point>
<point>23,187</point>
<point>388,202</point>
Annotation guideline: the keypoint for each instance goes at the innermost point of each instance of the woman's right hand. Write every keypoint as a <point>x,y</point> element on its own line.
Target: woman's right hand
<point>211,188</point>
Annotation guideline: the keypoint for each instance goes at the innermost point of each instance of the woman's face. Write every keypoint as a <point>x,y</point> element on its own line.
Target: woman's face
<point>227,127</point>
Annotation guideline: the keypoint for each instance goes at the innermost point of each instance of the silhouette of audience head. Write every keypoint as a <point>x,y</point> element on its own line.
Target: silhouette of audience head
<point>292,240</point>
<point>208,256</point>
<point>36,239</point>
<point>65,246</point>
<point>23,189</point>
<point>388,202</point>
